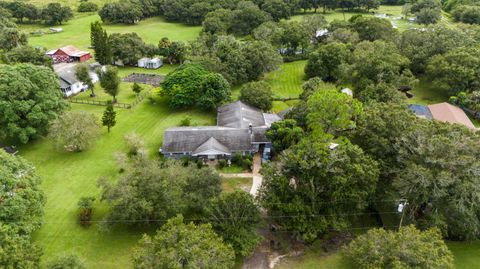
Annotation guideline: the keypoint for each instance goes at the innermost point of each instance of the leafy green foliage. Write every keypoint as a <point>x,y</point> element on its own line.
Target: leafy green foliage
<point>375,62</point>
<point>325,61</point>
<point>70,261</point>
<point>75,131</point>
<point>85,204</point>
<point>174,52</point>
<point>372,28</point>
<point>237,61</point>
<point>258,94</point>
<point>129,48</point>
<point>28,54</point>
<point>10,36</point>
<point>109,81</point>
<point>121,12</point>
<point>109,115</point>
<point>407,248</point>
<point>100,42</point>
<point>30,99</point>
<point>55,13</point>
<point>179,245</point>
<point>82,72</point>
<point>192,85</point>
<point>316,186</point>
<point>87,7</point>
<point>284,134</point>
<point>137,89</point>
<point>427,11</point>
<point>332,112</point>
<point>16,250</point>
<point>235,216</point>
<point>457,70</point>
<point>419,46</point>
<point>215,90</point>
<point>150,192</point>
<point>21,211</point>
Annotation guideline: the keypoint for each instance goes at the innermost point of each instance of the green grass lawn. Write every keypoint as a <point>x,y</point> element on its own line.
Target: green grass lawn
<point>240,183</point>
<point>125,95</point>
<point>287,80</point>
<point>232,169</point>
<point>466,255</point>
<point>77,32</point>
<point>425,93</point>
<point>69,176</point>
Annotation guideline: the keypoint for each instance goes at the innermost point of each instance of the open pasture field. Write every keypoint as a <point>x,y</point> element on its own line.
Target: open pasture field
<point>69,176</point>
<point>77,32</point>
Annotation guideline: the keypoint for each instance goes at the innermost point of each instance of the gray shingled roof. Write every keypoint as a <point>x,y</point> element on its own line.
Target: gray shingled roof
<point>188,139</point>
<point>239,115</point>
<point>211,147</point>
<point>66,73</point>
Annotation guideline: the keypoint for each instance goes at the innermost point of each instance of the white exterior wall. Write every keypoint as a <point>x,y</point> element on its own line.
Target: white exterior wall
<point>76,88</point>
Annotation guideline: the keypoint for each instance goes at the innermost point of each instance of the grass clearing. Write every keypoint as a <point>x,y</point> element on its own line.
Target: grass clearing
<point>426,93</point>
<point>77,32</point>
<point>232,169</point>
<point>69,176</point>
<point>287,80</point>
<point>465,257</point>
<point>238,183</point>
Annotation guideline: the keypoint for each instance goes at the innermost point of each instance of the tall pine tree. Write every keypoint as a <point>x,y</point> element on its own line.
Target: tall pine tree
<point>100,42</point>
<point>109,115</point>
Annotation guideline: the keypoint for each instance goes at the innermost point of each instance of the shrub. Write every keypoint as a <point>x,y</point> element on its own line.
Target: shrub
<point>134,143</point>
<point>187,121</point>
<point>199,164</point>
<point>87,7</point>
<point>85,204</point>
<point>222,163</point>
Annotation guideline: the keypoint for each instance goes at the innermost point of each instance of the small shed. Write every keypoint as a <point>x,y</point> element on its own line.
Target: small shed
<point>150,63</point>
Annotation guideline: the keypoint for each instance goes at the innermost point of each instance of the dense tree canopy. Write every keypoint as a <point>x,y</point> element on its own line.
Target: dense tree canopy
<point>235,217</point>
<point>54,13</point>
<point>21,210</point>
<point>257,94</point>
<point>284,134</point>
<point>129,48</point>
<point>457,70</point>
<point>150,192</point>
<point>30,99</point>
<point>179,245</point>
<point>407,248</point>
<point>192,85</point>
<point>375,62</point>
<point>325,61</point>
<point>10,35</point>
<point>316,185</point>
<point>28,54</point>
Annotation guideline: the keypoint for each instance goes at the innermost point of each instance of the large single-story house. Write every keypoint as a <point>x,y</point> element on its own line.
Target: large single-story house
<point>150,63</point>
<point>240,129</point>
<point>444,112</point>
<point>69,54</point>
<point>69,84</point>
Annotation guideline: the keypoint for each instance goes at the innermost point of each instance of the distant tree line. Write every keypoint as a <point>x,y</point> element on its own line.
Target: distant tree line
<point>245,14</point>
<point>50,14</point>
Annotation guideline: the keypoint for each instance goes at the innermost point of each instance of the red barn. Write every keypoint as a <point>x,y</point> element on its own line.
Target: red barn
<point>69,54</point>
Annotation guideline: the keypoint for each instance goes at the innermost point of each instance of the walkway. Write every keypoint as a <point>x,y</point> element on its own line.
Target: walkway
<point>257,177</point>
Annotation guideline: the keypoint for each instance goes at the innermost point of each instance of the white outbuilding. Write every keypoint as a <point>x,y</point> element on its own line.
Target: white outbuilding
<point>150,63</point>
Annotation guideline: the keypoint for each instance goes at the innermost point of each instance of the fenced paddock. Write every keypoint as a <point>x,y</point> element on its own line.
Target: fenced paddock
<point>137,100</point>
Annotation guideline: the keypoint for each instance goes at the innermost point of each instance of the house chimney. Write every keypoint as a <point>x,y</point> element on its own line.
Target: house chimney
<point>250,128</point>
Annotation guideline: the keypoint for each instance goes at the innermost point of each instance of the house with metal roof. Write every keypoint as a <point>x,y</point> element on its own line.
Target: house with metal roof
<point>240,129</point>
<point>444,112</point>
<point>69,84</point>
<point>68,54</point>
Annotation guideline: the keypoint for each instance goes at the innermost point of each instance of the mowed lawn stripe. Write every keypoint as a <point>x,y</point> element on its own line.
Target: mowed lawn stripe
<point>69,176</point>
